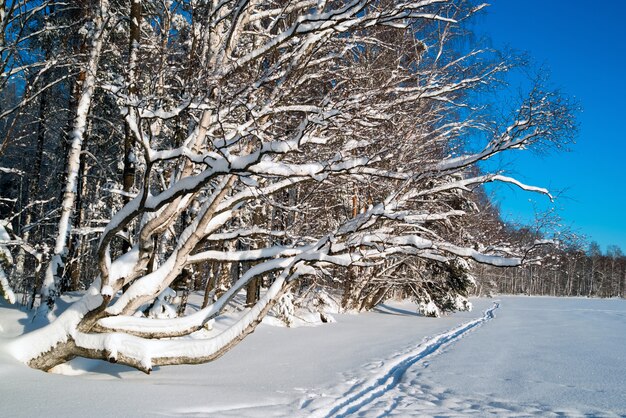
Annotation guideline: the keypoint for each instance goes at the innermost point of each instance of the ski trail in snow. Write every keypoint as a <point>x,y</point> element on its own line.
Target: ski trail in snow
<point>391,375</point>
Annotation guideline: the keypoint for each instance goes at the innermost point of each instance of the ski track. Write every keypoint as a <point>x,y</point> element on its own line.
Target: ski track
<point>391,376</point>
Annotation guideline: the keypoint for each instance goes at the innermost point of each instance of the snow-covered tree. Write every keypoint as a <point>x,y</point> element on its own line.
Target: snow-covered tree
<point>295,139</point>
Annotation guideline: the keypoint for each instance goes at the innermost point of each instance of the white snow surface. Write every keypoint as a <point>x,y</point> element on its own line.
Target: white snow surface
<point>532,356</point>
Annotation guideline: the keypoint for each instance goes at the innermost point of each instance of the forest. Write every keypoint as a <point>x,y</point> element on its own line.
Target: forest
<point>299,153</point>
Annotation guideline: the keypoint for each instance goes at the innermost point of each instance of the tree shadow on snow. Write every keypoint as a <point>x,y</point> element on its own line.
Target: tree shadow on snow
<point>391,310</point>
<point>36,318</point>
<point>96,369</point>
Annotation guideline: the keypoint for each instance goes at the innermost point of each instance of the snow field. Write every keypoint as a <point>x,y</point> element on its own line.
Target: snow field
<point>536,357</point>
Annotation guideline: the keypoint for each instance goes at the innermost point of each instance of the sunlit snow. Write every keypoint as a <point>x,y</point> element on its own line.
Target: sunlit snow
<point>531,356</point>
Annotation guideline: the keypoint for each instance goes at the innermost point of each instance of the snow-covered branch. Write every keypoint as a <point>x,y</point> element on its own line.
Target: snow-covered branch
<point>240,146</point>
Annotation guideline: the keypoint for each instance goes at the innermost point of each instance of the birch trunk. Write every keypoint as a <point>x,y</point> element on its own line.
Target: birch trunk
<point>51,285</point>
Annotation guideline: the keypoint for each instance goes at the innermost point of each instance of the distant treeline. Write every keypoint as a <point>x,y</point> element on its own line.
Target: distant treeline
<point>562,272</point>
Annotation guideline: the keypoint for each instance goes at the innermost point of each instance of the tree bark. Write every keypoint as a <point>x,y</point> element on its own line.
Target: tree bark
<point>128,176</point>
<point>51,286</point>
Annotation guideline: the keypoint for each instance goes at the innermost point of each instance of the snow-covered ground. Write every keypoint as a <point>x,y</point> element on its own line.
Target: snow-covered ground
<point>535,356</point>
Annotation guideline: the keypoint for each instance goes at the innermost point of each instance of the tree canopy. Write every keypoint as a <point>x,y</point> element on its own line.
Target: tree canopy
<point>264,146</point>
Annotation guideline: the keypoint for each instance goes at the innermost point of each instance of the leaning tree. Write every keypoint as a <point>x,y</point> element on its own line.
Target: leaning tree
<point>240,111</point>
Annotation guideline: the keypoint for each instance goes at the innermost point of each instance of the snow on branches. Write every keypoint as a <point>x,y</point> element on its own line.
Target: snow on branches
<point>277,143</point>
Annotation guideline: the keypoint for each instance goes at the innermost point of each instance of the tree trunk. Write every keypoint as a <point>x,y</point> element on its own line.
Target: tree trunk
<point>128,179</point>
<point>51,286</point>
<point>72,276</point>
<point>253,291</point>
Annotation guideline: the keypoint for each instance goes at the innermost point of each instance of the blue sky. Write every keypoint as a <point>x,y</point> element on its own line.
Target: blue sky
<point>583,44</point>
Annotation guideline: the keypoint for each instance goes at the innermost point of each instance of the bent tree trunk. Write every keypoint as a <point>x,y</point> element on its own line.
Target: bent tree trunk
<point>279,100</point>
<point>70,336</point>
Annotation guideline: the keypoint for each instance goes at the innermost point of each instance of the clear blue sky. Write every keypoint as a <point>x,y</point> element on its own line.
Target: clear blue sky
<point>584,45</point>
